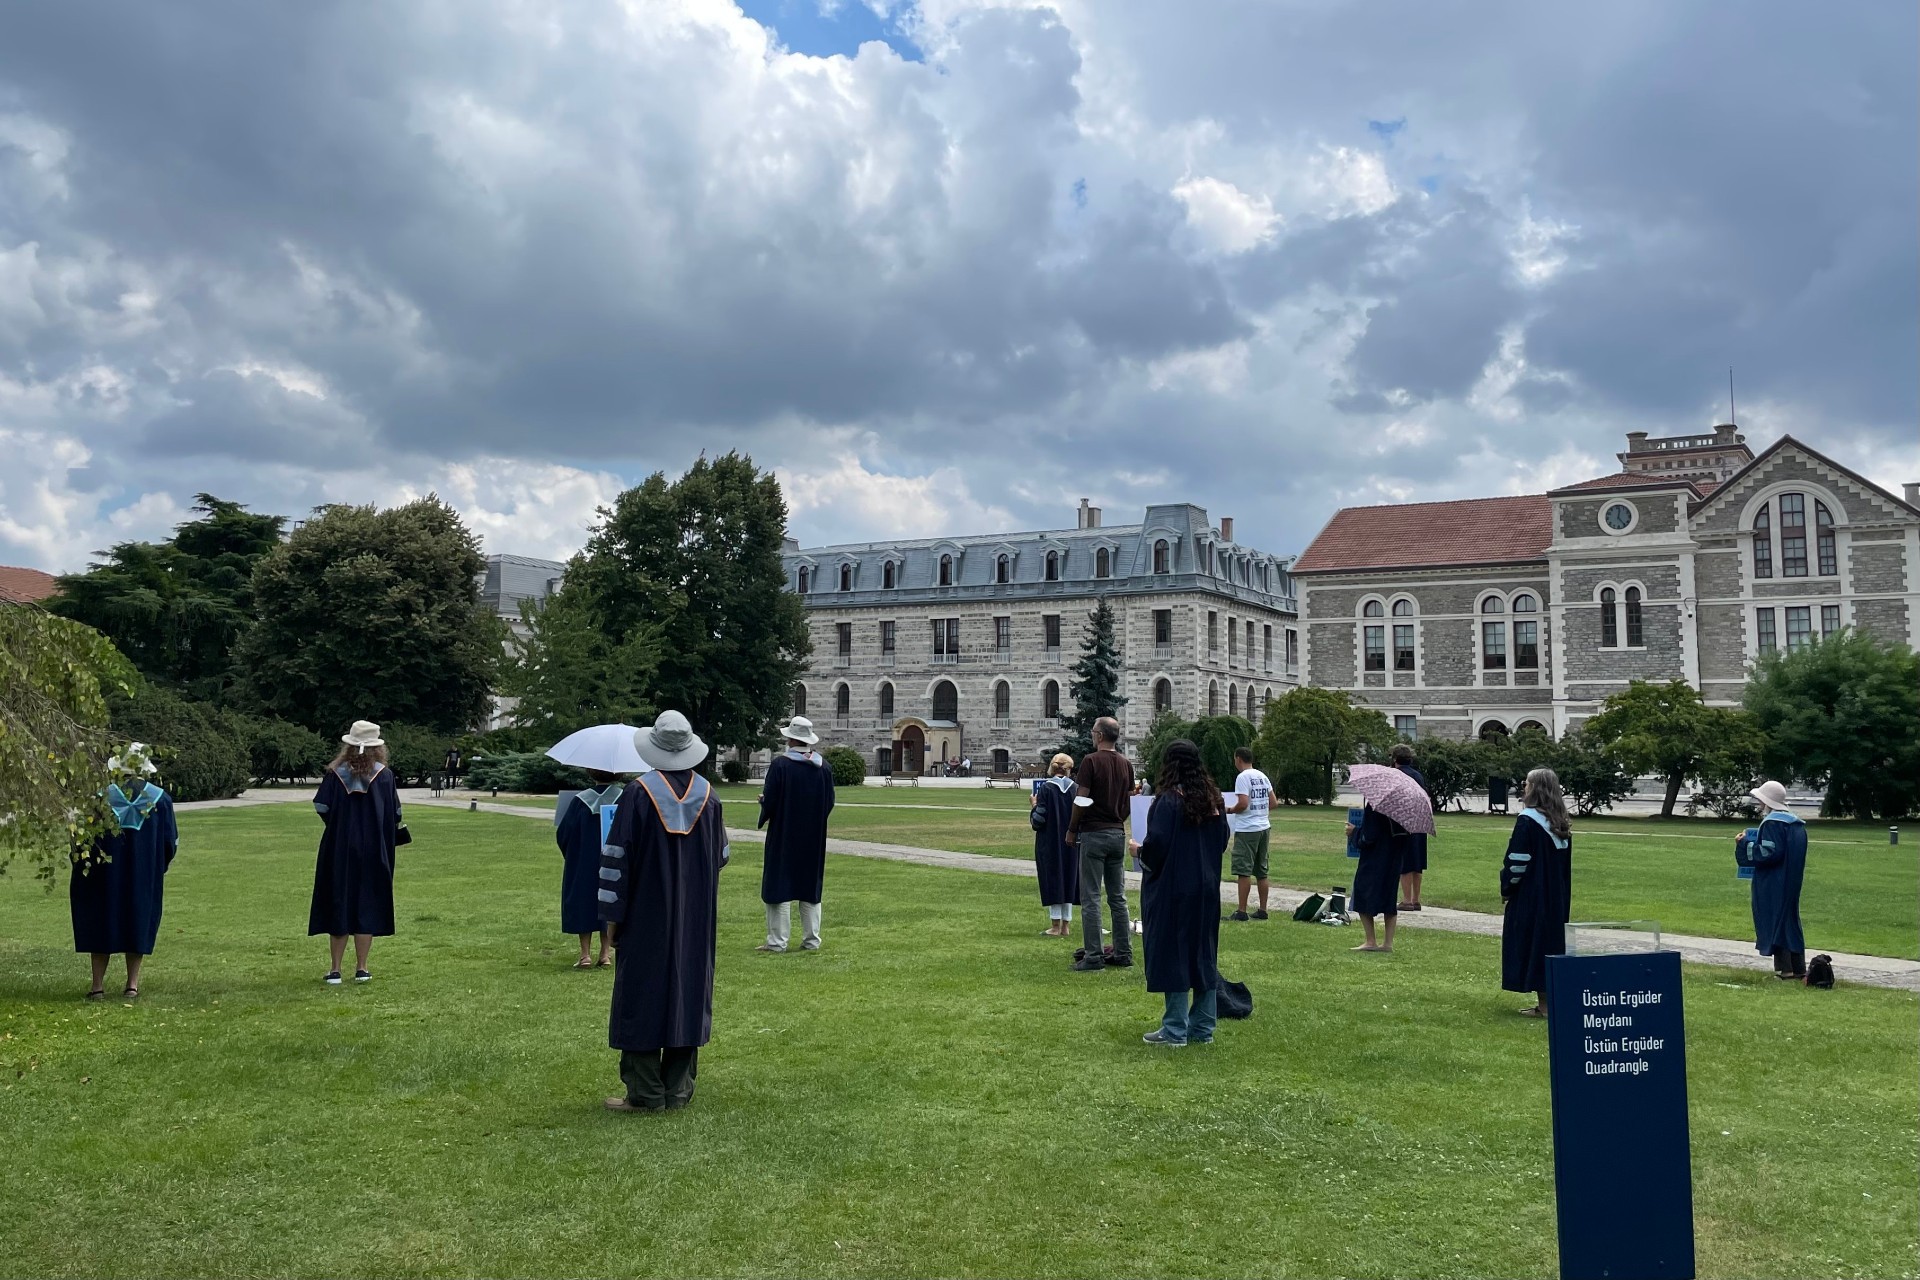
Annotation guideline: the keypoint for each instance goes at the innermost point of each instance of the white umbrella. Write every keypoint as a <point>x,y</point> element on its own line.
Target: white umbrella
<point>606,747</point>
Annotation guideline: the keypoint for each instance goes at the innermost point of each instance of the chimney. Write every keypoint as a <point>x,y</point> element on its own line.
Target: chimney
<point>1913,493</point>
<point>1081,523</point>
<point>1226,528</point>
<point>1093,517</point>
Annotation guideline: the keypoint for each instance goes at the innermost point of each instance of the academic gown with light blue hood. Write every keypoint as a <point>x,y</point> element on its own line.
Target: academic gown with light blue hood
<point>117,896</point>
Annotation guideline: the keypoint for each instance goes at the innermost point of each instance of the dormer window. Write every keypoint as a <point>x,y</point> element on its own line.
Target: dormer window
<point>886,575</point>
<point>805,579</point>
<point>946,571</point>
<point>1102,563</point>
<point>1003,569</point>
<point>846,577</point>
<point>1162,557</point>
<point>1053,566</point>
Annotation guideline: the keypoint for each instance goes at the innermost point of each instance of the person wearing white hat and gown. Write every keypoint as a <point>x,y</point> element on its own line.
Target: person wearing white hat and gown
<point>659,894</point>
<point>1778,852</point>
<point>119,884</point>
<point>795,801</point>
<point>353,874</point>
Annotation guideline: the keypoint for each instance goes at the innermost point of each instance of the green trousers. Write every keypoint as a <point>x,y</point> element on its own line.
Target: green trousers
<point>659,1079</point>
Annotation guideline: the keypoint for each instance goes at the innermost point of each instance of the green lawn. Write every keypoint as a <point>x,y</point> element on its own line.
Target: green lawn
<point>933,1094</point>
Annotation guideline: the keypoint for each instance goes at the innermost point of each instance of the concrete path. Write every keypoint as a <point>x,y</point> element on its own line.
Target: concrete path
<point>1878,971</point>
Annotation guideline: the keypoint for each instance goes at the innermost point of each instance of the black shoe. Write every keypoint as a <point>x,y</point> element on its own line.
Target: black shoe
<point>1409,906</point>
<point>1119,962</point>
<point>361,975</point>
<point>1237,915</point>
<point>1085,965</point>
<point>1260,915</point>
<point>333,979</point>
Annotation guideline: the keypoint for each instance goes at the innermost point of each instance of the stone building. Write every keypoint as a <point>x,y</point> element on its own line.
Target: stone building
<point>1488,615</point>
<point>506,581</point>
<point>943,649</point>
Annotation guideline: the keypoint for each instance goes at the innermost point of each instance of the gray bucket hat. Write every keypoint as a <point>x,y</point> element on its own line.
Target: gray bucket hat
<point>670,744</point>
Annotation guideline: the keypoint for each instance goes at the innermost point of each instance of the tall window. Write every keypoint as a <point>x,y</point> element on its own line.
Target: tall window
<point>946,701</point>
<point>946,571</point>
<point>886,575</point>
<point>1162,557</point>
<point>888,630</point>
<point>1526,634</point>
<point>1163,628</point>
<point>1233,641</point>
<point>799,699</point>
<point>1249,649</point>
<point>846,577</point>
<point>946,640</point>
<point>1375,644</point>
<point>1293,649</point>
<point>1636,634</point>
<point>1493,636</point>
<point>1162,696</point>
<point>1213,633</point>
<point>1050,700</point>
<point>1763,542</point>
<point>1213,697</point>
<point>1609,621</point>
<point>842,702</point>
<point>806,579</point>
<point>1406,728</point>
<point>1829,620</point>
<point>1002,700</point>
<point>843,636</point>
<point>1266,646</point>
<point>1763,630</point>
<point>1403,646</point>
<point>1793,536</point>
<point>1053,566</point>
<point>1233,700</point>
<point>886,699</point>
<point>1102,562</point>
<point>1050,631</point>
<point>1003,569</point>
<point>1003,636</point>
<point>1799,626</point>
<point>1823,529</point>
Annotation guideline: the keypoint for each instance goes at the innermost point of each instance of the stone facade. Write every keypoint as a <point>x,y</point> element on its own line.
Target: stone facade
<point>1683,566</point>
<point>985,631</point>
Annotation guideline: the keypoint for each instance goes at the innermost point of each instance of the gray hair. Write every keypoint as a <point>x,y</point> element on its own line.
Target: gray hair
<point>1106,729</point>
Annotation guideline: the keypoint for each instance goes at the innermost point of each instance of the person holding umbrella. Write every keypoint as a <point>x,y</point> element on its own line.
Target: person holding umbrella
<point>1396,806</point>
<point>581,820</point>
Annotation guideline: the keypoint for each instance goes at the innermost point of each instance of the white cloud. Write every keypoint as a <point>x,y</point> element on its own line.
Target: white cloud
<point>1227,219</point>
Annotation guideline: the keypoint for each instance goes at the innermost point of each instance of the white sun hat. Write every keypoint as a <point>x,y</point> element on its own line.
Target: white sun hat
<point>799,729</point>
<point>1770,794</point>
<point>364,734</point>
<point>670,744</point>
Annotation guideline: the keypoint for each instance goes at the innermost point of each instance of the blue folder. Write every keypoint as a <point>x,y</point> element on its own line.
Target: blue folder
<point>1356,817</point>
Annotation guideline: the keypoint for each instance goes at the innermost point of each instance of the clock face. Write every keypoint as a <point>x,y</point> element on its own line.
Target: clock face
<point>1619,516</point>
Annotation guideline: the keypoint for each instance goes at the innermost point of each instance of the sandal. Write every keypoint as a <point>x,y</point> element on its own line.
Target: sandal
<point>583,963</point>
<point>98,993</point>
<point>130,993</point>
<point>1533,1011</point>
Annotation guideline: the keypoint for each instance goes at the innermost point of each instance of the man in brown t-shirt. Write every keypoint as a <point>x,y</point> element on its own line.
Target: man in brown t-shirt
<point>1098,829</point>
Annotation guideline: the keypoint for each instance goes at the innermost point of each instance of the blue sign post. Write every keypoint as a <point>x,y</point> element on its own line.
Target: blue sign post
<point>1622,1175</point>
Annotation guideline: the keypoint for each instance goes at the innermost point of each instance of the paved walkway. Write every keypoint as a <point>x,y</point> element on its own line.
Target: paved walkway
<point>1878,971</point>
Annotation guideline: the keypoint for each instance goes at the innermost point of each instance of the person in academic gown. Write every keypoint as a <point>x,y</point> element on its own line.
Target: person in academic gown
<point>578,830</point>
<point>1779,865</point>
<point>1536,880</point>
<point>1056,861</point>
<point>1413,860</point>
<point>1382,843</point>
<point>659,894</point>
<point>795,800</point>
<point>117,890</point>
<point>1180,896</point>
<point>359,805</point>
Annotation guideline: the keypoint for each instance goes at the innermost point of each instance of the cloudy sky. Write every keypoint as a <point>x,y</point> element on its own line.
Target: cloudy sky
<point>947,265</point>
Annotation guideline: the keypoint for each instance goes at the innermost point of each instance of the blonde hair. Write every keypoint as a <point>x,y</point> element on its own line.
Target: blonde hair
<point>1061,763</point>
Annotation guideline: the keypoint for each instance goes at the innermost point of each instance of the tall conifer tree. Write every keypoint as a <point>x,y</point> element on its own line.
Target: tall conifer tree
<point>1096,681</point>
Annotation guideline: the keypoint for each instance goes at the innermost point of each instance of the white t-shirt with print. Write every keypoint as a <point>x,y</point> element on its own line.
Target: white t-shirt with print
<point>1254,785</point>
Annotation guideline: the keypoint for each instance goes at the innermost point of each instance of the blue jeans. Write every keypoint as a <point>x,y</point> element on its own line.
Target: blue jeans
<point>1195,1025</point>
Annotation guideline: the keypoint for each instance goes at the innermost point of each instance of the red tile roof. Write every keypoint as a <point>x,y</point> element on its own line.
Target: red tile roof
<point>1631,480</point>
<point>1428,534</point>
<point>24,586</point>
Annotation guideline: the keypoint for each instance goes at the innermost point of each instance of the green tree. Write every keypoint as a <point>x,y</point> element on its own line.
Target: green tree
<point>568,673</point>
<point>1844,714</point>
<point>1218,737</point>
<point>1166,727</point>
<point>1669,730</point>
<point>693,567</point>
<point>1591,774</point>
<point>1451,768</point>
<point>201,751</point>
<point>1095,687</point>
<point>849,766</point>
<point>54,736</point>
<point>177,608</point>
<point>376,615</point>
<point>1307,733</point>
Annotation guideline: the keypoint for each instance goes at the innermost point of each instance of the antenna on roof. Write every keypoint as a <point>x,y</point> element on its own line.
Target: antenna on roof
<point>1732,421</point>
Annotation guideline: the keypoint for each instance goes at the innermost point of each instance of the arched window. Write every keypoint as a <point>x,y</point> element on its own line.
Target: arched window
<point>1609,622</point>
<point>1372,609</point>
<point>1050,700</point>
<point>1403,608</point>
<point>1002,700</point>
<point>886,699</point>
<point>1763,541</point>
<point>1162,557</point>
<point>1636,637</point>
<point>1793,535</point>
<point>1213,697</point>
<point>946,701</point>
<point>805,580</point>
<point>946,571</point>
<point>886,575</point>
<point>1101,563</point>
<point>1823,529</point>
<point>1162,696</point>
<point>842,702</point>
<point>1526,634</point>
<point>1492,731</point>
<point>1493,604</point>
<point>846,577</point>
<point>1529,726</point>
<point>1523,603</point>
<point>799,699</point>
<point>1233,700</point>
<point>1053,566</point>
<point>1003,569</point>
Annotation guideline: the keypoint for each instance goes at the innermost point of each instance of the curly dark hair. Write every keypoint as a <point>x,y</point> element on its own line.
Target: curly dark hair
<point>360,763</point>
<point>1182,771</point>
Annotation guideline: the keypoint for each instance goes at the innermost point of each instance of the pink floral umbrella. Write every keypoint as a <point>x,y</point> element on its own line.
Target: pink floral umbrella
<point>1392,793</point>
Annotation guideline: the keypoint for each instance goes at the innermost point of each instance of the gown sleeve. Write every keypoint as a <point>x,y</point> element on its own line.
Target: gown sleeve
<point>169,831</point>
<point>1770,847</point>
<point>1519,859</point>
<point>772,789</point>
<point>613,859</point>
<point>327,798</point>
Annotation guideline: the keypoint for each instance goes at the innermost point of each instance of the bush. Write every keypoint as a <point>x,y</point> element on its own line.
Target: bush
<point>1166,727</point>
<point>1590,774</point>
<point>279,751</point>
<point>734,769</point>
<point>527,771</point>
<point>1218,737</point>
<point>1451,769</point>
<point>413,753</point>
<point>200,751</point>
<point>849,767</point>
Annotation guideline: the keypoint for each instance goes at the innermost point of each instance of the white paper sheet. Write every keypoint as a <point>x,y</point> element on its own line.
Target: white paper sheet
<point>1139,816</point>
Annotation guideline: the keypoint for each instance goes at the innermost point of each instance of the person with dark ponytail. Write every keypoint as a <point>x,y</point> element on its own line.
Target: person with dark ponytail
<point>1536,879</point>
<point>1185,839</point>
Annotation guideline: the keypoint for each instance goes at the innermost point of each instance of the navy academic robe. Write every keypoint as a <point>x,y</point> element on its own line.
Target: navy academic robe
<point>353,874</point>
<point>794,804</point>
<point>1376,877</point>
<point>1180,896</point>
<point>1536,879</point>
<point>660,883</point>
<point>116,900</point>
<point>1413,853</point>
<point>576,829</point>
<point>1779,865</point>
<point>1056,861</point>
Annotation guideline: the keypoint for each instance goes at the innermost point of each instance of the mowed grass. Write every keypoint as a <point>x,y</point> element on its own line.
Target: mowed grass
<point>935,1093</point>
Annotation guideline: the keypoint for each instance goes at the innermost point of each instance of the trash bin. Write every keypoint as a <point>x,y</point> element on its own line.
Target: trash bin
<point>1496,795</point>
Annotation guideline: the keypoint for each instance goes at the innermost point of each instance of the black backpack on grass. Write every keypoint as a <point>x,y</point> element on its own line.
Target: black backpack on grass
<point>1820,972</point>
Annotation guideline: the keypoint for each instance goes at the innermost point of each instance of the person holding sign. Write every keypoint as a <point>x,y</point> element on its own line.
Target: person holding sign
<point>1247,816</point>
<point>1537,882</point>
<point>1778,852</point>
<point>1180,896</point>
<point>1056,862</point>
